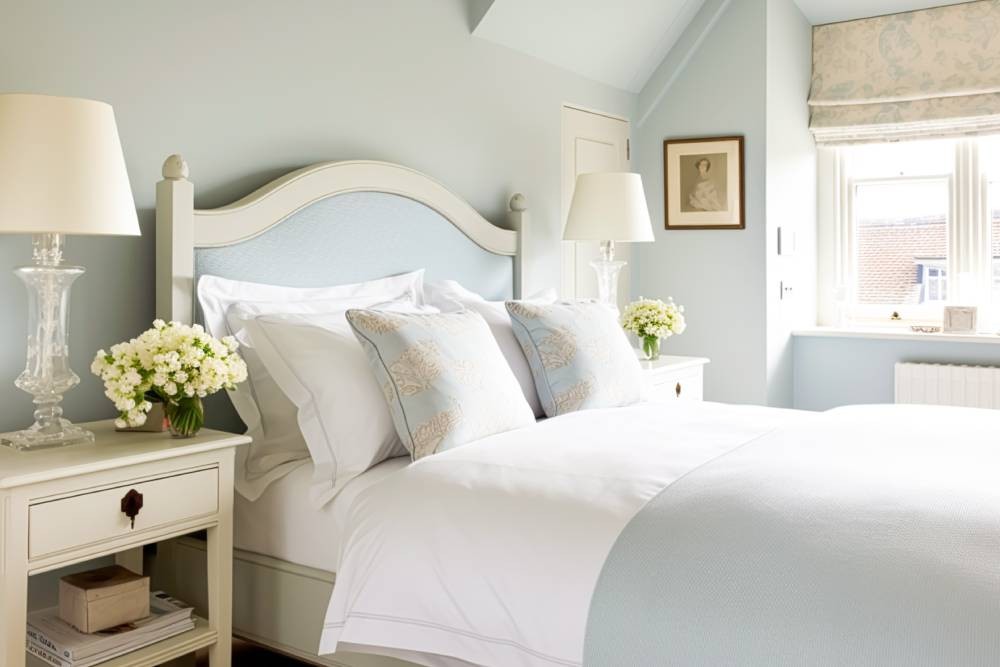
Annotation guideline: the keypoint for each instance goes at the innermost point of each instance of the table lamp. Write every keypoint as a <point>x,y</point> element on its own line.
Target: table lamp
<point>62,171</point>
<point>608,207</point>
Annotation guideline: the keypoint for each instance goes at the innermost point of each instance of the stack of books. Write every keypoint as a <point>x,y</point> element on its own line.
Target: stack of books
<point>60,644</point>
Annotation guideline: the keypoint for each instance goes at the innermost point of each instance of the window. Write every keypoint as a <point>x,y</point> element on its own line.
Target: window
<point>905,235</point>
<point>932,278</point>
<point>901,236</point>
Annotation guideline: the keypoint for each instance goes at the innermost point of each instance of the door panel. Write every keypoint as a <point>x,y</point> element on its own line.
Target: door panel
<point>591,142</point>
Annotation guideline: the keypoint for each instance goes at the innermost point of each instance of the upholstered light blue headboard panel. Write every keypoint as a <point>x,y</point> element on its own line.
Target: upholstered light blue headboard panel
<point>360,236</point>
<point>349,238</point>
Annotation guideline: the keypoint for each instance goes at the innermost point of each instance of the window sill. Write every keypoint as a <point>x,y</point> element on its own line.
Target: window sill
<point>897,334</point>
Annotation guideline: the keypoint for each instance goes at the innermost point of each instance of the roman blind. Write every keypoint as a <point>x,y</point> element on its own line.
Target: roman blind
<point>927,73</point>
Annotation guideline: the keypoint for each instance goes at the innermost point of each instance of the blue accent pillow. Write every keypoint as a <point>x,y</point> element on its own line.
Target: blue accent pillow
<point>443,375</point>
<point>579,356</point>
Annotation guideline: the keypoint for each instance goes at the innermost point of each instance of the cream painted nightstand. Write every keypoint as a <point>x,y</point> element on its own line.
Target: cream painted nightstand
<point>64,506</point>
<point>675,378</point>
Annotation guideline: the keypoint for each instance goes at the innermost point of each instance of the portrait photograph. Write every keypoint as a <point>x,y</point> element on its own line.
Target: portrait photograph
<point>703,183</point>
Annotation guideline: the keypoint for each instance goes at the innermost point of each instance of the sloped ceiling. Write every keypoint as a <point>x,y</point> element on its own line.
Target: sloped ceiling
<point>830,11</point>
<point>619,43</point>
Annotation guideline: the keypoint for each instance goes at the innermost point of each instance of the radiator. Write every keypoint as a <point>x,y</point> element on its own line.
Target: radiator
<point>943,384</point>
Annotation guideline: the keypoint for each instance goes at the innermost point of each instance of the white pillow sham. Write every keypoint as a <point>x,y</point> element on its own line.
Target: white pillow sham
<point>271,419</point>
<point>449,295</point>
<point>318,364</point>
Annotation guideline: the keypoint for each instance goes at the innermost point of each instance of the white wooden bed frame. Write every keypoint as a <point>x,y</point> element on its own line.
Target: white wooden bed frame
<point>277,603</point>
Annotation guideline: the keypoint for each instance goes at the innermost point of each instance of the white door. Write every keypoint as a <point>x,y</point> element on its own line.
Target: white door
<point>591,142</point>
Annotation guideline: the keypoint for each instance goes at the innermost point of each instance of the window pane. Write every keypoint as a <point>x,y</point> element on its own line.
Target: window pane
<point>907,158</point>
<point>902,242</point>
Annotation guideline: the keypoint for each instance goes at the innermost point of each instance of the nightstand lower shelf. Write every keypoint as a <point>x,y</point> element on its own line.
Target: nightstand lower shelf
<point>155,654</point>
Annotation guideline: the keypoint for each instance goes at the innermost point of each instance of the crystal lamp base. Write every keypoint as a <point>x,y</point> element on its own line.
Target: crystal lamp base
<point>37,436</point>
<point>607,270</point>
<point>47,374</point>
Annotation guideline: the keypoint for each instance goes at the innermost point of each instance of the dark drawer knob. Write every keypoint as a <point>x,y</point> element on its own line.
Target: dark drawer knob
<point>131,504</point>
<point>677,390</point>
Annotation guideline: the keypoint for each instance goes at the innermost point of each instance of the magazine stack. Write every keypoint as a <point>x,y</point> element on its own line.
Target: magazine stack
<point>57,643</point>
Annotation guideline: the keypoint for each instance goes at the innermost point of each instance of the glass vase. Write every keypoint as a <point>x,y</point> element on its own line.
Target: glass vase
<point>186,416</point>
<point>651,348</point>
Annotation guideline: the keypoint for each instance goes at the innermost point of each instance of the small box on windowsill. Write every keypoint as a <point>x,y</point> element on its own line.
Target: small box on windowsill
<point>156,422</point>
<point>103,598</point>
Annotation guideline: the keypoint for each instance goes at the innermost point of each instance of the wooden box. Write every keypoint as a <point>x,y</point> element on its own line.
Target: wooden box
<point>103,598</point>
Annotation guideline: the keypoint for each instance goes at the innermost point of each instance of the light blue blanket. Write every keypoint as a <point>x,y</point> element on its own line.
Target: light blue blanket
<point>874,540</point>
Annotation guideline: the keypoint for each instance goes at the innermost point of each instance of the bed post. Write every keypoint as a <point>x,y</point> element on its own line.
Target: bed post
<point>518,216</point>
<point>175,242</point>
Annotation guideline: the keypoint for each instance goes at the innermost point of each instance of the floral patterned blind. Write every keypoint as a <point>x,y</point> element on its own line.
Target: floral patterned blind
<point>933,72</point>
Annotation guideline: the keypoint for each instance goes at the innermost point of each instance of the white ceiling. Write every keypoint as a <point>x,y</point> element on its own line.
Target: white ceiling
<point>829,11</point>
<point>619,43</point>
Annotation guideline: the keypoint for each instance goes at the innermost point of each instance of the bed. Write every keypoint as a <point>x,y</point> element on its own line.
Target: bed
<point>651,534</point>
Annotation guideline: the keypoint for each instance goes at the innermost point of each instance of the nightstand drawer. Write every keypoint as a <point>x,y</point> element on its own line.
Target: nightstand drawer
<point>95,517</point>
<point>684,385</point>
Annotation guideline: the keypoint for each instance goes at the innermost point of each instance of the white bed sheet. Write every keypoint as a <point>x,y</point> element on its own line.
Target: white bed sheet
<point>283,523</point>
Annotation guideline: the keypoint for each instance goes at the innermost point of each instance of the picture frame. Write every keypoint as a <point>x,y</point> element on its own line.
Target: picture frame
<point>703,183</point>
<point>960,319</point>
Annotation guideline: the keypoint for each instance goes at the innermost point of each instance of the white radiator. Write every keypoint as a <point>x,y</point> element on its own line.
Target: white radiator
<point>942,384</point>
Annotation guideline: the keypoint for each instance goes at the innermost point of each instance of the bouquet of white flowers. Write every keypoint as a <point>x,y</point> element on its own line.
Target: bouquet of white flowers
<point>172,363</point>
<point>651,320</point>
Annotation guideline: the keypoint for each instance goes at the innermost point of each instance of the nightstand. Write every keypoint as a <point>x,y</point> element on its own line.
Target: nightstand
<point>675,378</point>
<point>63,506</point>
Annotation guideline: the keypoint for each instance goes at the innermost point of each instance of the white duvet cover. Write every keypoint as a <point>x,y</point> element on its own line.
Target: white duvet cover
<point>489,553</point>
<point>864,535</point>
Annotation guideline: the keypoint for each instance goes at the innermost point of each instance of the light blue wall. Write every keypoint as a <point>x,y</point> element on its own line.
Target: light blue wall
<point>791,192</point>
<point>831,371</point>
<point>250,89</point>
<point>714,83</point>
<point>742,67</point>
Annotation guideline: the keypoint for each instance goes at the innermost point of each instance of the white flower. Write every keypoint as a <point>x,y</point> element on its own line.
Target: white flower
<point>652,317</point>
<point>170,360</point>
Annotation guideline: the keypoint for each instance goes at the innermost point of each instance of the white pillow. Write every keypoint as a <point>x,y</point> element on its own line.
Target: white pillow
<point>278,446</point>
<point>340,409</point>
<point>449,296</point>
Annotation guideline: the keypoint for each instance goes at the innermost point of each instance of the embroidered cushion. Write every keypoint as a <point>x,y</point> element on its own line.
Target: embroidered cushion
<point>443,376</point>
<point>580,358</point>
<point>450,296</point>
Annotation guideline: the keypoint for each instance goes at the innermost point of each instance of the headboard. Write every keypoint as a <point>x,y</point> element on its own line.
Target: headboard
<point>331,223</point>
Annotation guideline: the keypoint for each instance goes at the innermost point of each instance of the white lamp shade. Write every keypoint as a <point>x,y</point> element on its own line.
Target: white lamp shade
<point>608,207</point>
<point>62,169</point>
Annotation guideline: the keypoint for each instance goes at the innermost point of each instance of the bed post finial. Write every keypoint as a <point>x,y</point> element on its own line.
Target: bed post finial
<point>518,217</point>
<point>175,168</point>
<point>519,203</point>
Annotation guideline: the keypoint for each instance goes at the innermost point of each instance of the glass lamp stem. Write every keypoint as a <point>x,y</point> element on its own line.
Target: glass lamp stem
<point>607,274</point>
<point>47,374</point>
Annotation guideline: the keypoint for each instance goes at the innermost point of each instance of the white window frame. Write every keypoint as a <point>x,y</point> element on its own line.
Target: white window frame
<point>969,251</point>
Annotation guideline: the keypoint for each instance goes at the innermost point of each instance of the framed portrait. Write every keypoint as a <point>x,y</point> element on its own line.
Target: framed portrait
<point>703,183</point>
